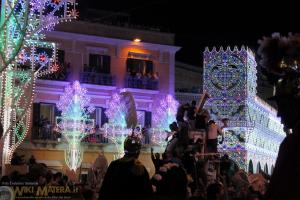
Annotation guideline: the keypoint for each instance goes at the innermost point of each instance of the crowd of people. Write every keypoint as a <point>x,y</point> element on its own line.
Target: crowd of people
<point>183,171</point>
<point>189,168</point>
<point>142,81</point>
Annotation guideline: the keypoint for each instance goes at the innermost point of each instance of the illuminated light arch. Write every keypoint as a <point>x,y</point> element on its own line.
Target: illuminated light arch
<point>75,122</point>
<point>254,131</point>
<point>122,116</point>
<point>22,27</point>
<point>163,116</point>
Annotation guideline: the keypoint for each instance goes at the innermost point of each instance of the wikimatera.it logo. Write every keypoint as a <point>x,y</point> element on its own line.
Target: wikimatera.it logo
<point>35,191</point>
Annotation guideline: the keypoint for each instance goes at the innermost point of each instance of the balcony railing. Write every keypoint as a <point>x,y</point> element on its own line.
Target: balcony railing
<point>49,134</point>
<point>141,83</point>
<point>97,78</point>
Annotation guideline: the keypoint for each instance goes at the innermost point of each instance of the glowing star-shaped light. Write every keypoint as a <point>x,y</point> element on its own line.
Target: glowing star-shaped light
<point>54,67</point>
<point>56,1</point>
<point>73,13</point>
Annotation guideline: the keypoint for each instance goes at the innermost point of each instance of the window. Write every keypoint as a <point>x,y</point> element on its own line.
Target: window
<point>96,115</point>
<point>99,64</point>
<point>139,66</point>
<point>140,118</point>
<point>61,57</point>
<point>47,112</point>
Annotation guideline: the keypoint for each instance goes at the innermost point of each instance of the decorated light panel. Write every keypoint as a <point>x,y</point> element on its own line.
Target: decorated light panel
<point>254,131</point>
<point>25,56</point>
<point>226,80</point>
<point>251,75</point>
<point>75,122</point>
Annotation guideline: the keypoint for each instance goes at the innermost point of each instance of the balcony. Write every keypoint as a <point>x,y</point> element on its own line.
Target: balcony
<point>142,82</point>
<point>48,134</point>
<point>97,78</point>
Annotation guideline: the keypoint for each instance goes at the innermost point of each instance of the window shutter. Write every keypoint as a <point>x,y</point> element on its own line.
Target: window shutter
<point>104,118</point>
<point>35,120</point>
<point>36,113</point>
<point>149,67</point>
<point>106,64</point>
<point>148,117</point>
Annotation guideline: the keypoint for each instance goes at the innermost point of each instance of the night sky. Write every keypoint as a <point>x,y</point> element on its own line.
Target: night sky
<point>214,23</point>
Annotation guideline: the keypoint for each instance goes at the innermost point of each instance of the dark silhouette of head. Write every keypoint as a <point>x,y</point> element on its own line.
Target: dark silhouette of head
<point>132,146</point>
<point>214,191</point>
<point>193,103</point>
<point>288,101</point>
<point>279,58</point>
<point>211,122</point>
<point>174,183</point>
<point>173,126</point>
<point>157,155</point>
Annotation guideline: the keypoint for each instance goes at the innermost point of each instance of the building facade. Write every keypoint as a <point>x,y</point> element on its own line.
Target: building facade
<point>105,60</point>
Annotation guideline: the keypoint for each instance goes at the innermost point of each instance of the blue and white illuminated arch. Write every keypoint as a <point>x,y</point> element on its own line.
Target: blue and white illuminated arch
<point>254,131</point>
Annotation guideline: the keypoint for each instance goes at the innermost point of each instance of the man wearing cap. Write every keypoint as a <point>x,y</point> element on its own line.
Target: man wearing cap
<point>127,178</point>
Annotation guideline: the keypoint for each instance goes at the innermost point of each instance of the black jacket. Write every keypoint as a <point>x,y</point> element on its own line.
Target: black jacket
<point>126,178</point>
<point>285,180</point>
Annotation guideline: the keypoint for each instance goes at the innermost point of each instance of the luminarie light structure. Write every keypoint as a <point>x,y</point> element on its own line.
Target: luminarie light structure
<point>255,132</point>
<point>163,116</point>
<point>75,122</point>
<point>25,56</point>
<point>122,117</point>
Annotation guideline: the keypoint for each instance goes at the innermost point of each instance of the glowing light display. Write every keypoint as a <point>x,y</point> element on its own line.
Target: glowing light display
<point>122,116</point>
<point>254,132</point>
<point>116,111</point>
<point>25,57</point>
<point>163,116</point>
<point>74,123</point>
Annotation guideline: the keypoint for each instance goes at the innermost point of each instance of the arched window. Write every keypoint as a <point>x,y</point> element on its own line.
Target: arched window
<point>258,169</point>
<point>266,170</point>
<point>250,167</point>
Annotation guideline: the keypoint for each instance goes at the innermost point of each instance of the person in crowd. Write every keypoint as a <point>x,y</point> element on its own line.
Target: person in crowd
<point>180,113</point>
<point>146,134</point>
<point>277,62</point>
<point>225,166</point>
<point>57,177</point>
<point>171,183</point>
<point>212,136</point>
<point>172,139</point>
<point>127,178</point>
<point>191,114</point>
<point>157,162</point>
<point>201,120</point>
<point>139,81</point>
<point>98,134</point>
<point>17,159</point>
<point>32,160</point>
<point>215,191</point>
<point>96,173</point>
<point>225,122</point>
